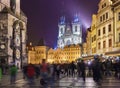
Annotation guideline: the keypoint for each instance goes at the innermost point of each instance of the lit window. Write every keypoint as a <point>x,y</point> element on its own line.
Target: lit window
<point>61,30</point>
<point>94,37</point>
<point>104,44</point>
<point>109,28</point>
<point>103,30</point>
<point>119,37</point>
<point>101,19</point>
<point>99,45</point>
<point>75,28</point>
<point>110,42</point>
<point>99,32</point>
<point>119,16</point>
<point>106,15</point>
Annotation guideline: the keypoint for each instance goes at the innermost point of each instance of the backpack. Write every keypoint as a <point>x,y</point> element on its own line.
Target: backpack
<point>30,71</point>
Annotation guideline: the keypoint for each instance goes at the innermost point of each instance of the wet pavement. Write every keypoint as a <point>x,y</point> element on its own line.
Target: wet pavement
<point>68,82</point>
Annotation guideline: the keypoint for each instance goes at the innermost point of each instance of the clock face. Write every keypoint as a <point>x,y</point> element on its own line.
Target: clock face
<point>17,40</point>
<point>2,46</point>
<point>17,53</point>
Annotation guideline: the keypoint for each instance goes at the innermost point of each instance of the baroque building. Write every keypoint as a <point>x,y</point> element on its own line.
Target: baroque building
<point>60,55</point>
<point>65,55</point>
<point>69,33</point>
<point>105,30</point>
<point>12,33</point>
<point>104,33</point>
<point>37,53</point>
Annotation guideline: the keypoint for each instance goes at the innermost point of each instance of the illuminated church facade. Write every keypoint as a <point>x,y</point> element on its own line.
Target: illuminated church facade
<point>69,34</point>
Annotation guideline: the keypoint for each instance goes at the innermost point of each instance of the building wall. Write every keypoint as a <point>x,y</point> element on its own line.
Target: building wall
<point>93,34</point>
<point>5,2</point>
<point>105,18</point>
<point>9,21</point>
<point>107,29</point>
<point>116,9</point>
<point>65,55</point>
<point>37,53</point>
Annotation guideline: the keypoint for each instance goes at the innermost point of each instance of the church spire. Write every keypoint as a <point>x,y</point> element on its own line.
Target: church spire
<point>62,20</point>
<point>76,18</point>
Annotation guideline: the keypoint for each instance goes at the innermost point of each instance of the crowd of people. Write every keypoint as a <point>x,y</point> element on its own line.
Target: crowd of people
<point>98,69</point>
<point>49,73</point>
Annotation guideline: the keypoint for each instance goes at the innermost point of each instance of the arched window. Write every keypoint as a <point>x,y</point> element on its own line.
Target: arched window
<point>61,30</point>
<point>75,28</point>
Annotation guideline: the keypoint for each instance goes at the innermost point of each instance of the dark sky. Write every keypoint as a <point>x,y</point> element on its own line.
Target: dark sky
<point>43,16</point>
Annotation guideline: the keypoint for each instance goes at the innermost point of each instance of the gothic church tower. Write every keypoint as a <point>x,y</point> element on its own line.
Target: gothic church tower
<point>69,33</point>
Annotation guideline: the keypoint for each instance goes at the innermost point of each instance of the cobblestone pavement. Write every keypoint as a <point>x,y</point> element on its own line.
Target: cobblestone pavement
<point>69,82</point>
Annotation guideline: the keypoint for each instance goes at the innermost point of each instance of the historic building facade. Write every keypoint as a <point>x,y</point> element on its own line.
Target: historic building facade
<point>12,33</point>
<point>60,55</point>
<point>37,53</point>
<point>93,34</point>
<point>104,31</point>
<point>65,55</point>
<point>69,33</point>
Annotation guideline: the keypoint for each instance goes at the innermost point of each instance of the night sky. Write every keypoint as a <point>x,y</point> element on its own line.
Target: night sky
<point>43,17</point>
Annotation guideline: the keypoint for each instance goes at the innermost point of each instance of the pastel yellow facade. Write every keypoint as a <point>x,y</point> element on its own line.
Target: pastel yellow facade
<point>41,53</point>
<point>37,53</point>
<point>104,34</point>
<point>72,52</point>
<point>31,57</point>
<point>116,10</point>
<point>105,30</point>
<point>93,34</point>
<point>66,55</point>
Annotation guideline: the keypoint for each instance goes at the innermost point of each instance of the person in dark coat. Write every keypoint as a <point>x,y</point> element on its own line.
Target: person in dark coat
<point>82,68</point>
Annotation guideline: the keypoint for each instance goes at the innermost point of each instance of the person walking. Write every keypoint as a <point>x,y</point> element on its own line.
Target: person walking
<point>44,69</point>
<point>51,76</point>
<point>82,68</point>
<point>30,73</point>
<point>13,73</point>
<point>96,67</point>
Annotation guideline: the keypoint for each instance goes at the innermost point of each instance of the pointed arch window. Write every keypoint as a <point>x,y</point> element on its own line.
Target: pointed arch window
<point>61,30</point>
<point>75,28</point>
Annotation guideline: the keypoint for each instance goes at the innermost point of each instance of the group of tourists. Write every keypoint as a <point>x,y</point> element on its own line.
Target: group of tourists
<point>48,74</point>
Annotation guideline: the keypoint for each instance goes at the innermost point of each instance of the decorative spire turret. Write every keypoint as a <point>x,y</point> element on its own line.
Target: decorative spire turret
<point>76,18</point>
<point>62,20</point>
